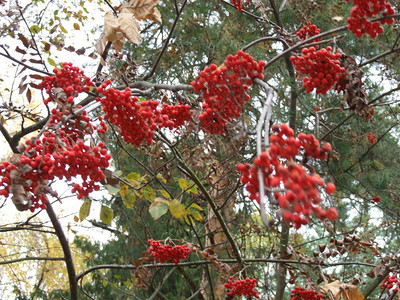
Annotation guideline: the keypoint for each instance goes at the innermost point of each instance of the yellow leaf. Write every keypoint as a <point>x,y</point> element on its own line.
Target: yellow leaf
<point>76,219</point>
<point>51,62</point>
<point>177,209</point>
<point>106,215</point>
<point>143,9</point>
<point>63,29</point>
<point>85,209</point>
<point>129,199</point>
<point>133,176</point>
<point>194,205</point>
<point>161,177</point>
<point>165,194</point>
<point>124,188</point>
<point>195,214</point>
<point>76,26</point>
<point>148,193</point>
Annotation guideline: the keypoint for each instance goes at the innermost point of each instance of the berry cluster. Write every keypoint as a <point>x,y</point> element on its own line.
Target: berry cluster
<point>138,120</point>
<point>61,152</point>
<point>300,293</point>
<point>70,79</point>
<point>371,138</point>
<point>363,9</point>
<point>391,282</point>
<point>301,196</point>
<point>245,287</point>
<point>322,67</point>
<point>376,199</point>
<point>167,252</point>
<point>307,31</point>
<point>370,113</point>
<point>173,116</point>
<point>224,90</point>
<point>240,4</point>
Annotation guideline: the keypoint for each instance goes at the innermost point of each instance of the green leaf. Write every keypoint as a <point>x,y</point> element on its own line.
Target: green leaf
<point>63,29</point>
<point>51,62</point>
<point>158,208</point>
<point>177,209</point>
<point>133,175</point>
<point>112,189</point>
<point>148,193</point>
<point>84,211</point>
<point>35,29</point>
<point>106,215</point>
<point>129,199</point>
<point>165,194</point>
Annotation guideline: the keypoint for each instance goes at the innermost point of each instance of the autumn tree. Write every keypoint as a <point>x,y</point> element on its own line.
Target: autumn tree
<point>230,149</point>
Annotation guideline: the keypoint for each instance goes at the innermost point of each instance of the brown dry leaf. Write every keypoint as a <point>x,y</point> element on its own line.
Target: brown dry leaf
<point>116,30</point>
<point>342,290</point>
<point>143,9</point>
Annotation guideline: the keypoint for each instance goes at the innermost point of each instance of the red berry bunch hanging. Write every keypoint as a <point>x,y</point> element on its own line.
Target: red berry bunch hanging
<point>299,293</point>
<point>224,90</point>
<point>245,287</point>
<point>309,30</point>
<point>61,152</point>
<point>391,282</point>
<point>53,156</point>
<point>138,120</point>
<point>240,4</point>
<point>371,138</point>
<point>363,9</point>
<point>322,67</point>
<point>70,79</point>
<point>300,197</point>
<point>163,253</point>
<point>376,199</point>
<point>173,116</point>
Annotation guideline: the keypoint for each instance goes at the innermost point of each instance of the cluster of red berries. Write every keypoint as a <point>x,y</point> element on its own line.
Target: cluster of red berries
<point>376,199</point>
<point>363,9</point>
<point>137,120</point>
<point>309,30</point>
<point>370,113</point>
<point>173,116</point>
<point>322,67</point>
<point>372,138</point>
<point>299,293</point>
<point>245,287</point>
<point>301,195</point>
<point>167,252</point>
<point>69,78</point>
<point>55,155</point>
<point>240,4</point>
<point>391,282</point>
<point>224,90</point>
<point>61,152</point>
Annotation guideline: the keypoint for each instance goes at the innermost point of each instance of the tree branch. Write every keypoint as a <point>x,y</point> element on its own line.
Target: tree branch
<point>69,262</point>
<point>17,260</point>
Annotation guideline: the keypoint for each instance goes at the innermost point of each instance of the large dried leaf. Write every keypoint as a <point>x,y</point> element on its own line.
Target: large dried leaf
<point>116,30</point>
<point>143,9</point>
<point>340,290</point>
